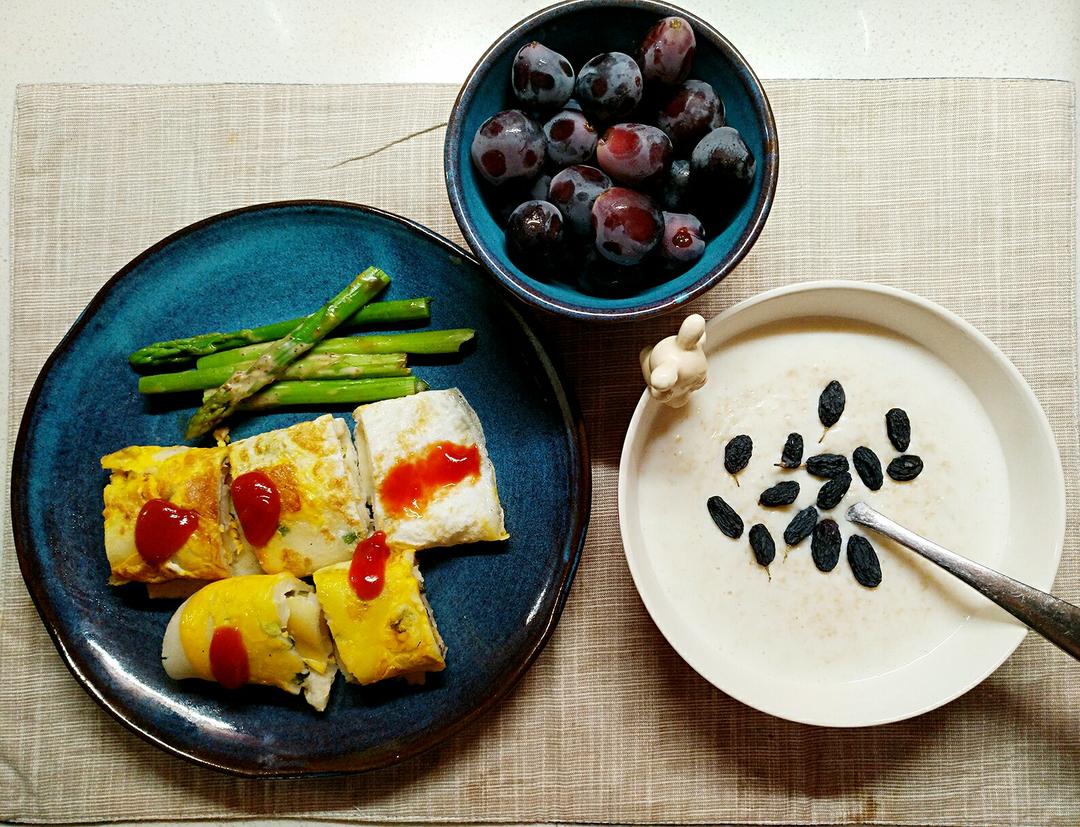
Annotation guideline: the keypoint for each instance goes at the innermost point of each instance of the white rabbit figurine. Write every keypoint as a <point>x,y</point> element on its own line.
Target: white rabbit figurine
<point>676,366</point>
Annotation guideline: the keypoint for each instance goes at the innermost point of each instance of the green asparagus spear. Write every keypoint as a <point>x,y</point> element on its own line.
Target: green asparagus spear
<point>279,355</point>
<point>178,351</point>
<point>392,312</point>
<point>416,341</point>
<point>332,392</point>
<point>312,366</point>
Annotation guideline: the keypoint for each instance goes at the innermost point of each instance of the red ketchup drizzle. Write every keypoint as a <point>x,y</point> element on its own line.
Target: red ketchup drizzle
<point>162,528</point>
<point>411,484</point>
<point>258,506</point>
<point>367,572</point>
<point>228,657</point>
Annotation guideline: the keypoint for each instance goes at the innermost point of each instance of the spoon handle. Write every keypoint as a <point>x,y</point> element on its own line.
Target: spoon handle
<point>1054,619</point>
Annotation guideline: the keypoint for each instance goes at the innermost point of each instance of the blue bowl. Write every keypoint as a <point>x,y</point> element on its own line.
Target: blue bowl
<point>579,30</point>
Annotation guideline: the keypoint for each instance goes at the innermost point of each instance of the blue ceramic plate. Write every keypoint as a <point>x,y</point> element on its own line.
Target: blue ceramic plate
<point>495,604</point>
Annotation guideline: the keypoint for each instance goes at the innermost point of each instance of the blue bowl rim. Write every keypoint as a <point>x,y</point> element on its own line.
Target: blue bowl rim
<point>770,166</point>
<point>111,701</point>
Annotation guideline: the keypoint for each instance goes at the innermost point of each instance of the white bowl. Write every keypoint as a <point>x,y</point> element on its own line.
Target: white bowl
<point>919,640</point>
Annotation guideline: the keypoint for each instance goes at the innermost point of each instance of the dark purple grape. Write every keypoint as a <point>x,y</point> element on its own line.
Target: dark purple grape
<point>508,147</point>
<point>599,277</point>
<point>539,190</point>
<point>691,113</point>
<point>627,225</point>
<point>684,238</point>
<point>609,86</point>
<point>676,185</point>
<point>541,77</point>
<point>573,191</point>
<point>535,233</point>
<point>571,139</point>
<point>633,153</point>
<point>722,161</point>
<point>667,51</point>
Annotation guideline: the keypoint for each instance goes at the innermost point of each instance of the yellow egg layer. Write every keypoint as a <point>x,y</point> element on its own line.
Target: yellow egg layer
<point>187,477</point>
<point>392,635</point>
<point>255,606</point>
<point>323,504</point>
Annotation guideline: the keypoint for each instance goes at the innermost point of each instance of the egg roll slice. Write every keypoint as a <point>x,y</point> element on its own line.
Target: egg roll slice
<point>432,481</point>
<point>265,629</point>
<point>392,635</point>
<point>324,503</point>
<point>192,479</point>
<point>241,558</point>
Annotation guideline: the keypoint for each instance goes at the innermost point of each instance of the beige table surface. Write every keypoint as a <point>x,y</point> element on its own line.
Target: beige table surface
<point>609,723</point>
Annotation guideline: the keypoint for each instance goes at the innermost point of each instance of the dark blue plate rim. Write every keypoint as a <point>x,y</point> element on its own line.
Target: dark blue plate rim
<point>742,245</point>
<point>112,701</point>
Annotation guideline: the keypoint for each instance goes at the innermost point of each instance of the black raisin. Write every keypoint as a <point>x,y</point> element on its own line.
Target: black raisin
<point>825,545</point>
<point>737,453</point>
<point>826,466</point>
<point>783,493</point>
<point>833,491</point>
<point>725,517</point>
<point>905,467</point>
<point>761,542</point>
<point>791,456</point>
<point>801,526</point>
<point>868,466</point>
<point>831,404</point>
<point>863,561</point>
<point>898,427</point>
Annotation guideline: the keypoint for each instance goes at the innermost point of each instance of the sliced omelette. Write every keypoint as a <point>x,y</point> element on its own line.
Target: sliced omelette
<point>320,502</point>
<point>383,633</point>
<point>263,629</point>
<point>432,480</point>
<point>165,517</point>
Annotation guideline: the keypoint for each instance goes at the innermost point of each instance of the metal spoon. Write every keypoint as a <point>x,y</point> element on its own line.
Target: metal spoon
<point>1054,619</point>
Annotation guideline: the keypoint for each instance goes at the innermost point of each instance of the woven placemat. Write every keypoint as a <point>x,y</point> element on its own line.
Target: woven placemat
<point>961,190</point>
